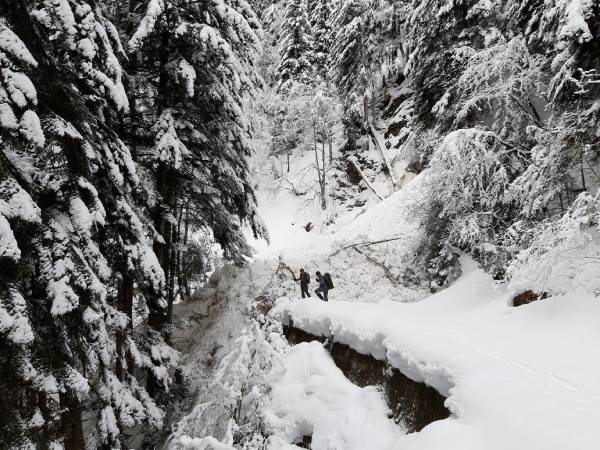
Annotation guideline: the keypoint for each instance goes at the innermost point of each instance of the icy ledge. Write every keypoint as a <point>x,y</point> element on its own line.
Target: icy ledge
<point>520,378</point>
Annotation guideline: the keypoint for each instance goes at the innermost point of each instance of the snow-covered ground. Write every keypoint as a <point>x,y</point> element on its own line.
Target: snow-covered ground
<point>515,378</point>
<point>311,397</point>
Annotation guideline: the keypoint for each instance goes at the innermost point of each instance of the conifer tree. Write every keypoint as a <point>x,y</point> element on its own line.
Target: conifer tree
<point>79,233</point>
<point>196,69</point>
<point>526,86</point>
<point>320,22</point>
<point>296,47</point>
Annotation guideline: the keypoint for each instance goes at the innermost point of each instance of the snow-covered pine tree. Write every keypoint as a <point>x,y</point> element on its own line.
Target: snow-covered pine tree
<point>361,32</point>
<point>531,82</point>
<point>195,69</point>
<point>20,218</point>
<point>350,23</point>
<point>498,95</point>
<point>295,47</point>
<point>320,22</point>
<point>69,200</point>
<point>564,153</point>
<point>363,42</point>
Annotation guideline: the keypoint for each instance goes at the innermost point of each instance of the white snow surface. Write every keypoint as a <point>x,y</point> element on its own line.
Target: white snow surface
<point>311,397</point>
<point>515,377</point>
<point>11,44</point>
<point>574,21</point>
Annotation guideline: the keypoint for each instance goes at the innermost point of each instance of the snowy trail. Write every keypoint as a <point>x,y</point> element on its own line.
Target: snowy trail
<point>522,377</point>
<point>553,377</point>
<point>514,378</point>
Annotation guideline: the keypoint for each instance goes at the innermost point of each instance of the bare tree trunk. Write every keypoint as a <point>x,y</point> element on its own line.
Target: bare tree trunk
<point>186,284</point>
<point>366,116</point>
<point>288,160</point>
<point>72,425</point>
<point>362,175</point>
<point>125,303</point>
<point>385,160</point>
<point>171,264</point>
<point>316,155</point>
<point>583,187</point>
<point>320,168</point>
<point>182,245</point>
<point>373,103</point>
<point>323,180</point>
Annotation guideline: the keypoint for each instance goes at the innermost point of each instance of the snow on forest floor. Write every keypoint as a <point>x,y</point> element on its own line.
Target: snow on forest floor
<point>520,378</point>
<point>515,378</point>
<point>310,396</point>
<point>223,342</point>
<point>358,270</point>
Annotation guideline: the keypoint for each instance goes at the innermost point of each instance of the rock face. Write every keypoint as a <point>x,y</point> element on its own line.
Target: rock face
<point>528,297</point>
<point>413,405</point>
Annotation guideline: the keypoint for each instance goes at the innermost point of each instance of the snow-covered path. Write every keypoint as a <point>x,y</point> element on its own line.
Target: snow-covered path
<point>516,378</point>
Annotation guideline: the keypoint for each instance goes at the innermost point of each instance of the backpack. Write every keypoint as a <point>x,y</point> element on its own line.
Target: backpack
<point>328,281</point>
<point>307,277</point>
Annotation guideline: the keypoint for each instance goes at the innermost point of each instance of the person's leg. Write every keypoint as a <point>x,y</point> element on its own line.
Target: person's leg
<point>318,292</point>
<point>303,290</point>
<point>307,291</point>
<point>325,292</point>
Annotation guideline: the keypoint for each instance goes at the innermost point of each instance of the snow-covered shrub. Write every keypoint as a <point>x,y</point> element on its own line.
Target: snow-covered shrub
<point>467,178</point>
<point>564,253</point>
<point>235,419</point>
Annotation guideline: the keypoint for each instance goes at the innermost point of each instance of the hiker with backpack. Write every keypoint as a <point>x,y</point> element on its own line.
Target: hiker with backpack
<point>325,284</point>
<point>304,281</point>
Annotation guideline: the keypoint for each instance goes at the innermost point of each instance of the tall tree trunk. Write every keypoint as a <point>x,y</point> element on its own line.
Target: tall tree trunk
<point>45,437</point>
<point>72,425</point>
<point>373,105</point>
<point>156,314</point>
<point>185,243</point>
<point>323,179</point>
<point>320,170</point>
<point>366,116</point>
<point>169,260</point>
<point>165,182</point>
<point>172,272</point>
<point>583,186</point>
<point>126,307</point>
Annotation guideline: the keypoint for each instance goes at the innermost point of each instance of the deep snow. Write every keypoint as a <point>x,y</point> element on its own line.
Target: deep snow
<point>516,378</point>
<point>311,397</point>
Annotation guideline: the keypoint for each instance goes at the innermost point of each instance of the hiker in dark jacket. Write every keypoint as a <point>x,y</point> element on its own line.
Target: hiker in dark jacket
<point>304,280</point>
<point>322,287</point>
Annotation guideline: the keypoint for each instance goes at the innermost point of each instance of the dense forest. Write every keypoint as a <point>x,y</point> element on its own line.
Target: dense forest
<point>131,132</point>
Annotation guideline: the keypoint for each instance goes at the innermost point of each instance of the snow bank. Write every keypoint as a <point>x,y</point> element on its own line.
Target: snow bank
<point>311,397</point>
<point>383,220</point>
<point>522,378</point>
<point>356,276</point>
